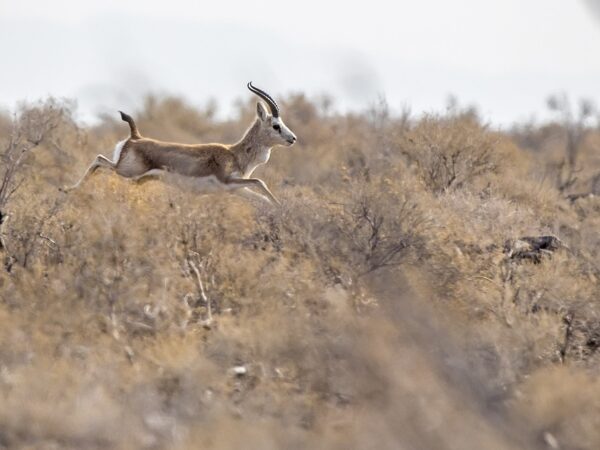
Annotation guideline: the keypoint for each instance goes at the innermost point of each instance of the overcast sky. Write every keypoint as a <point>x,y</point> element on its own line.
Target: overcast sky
<point>504,56</point>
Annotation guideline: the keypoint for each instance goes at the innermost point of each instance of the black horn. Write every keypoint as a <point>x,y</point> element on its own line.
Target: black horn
<point>267,98</point>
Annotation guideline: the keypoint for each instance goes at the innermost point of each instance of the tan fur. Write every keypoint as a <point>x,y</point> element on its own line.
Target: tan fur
<point>229,165</point>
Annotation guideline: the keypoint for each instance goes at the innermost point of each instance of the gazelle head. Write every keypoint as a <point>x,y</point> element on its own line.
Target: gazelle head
<point>272,127</point>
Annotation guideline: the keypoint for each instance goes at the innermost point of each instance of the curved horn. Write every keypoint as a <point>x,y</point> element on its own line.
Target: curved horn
<point>267,98</point>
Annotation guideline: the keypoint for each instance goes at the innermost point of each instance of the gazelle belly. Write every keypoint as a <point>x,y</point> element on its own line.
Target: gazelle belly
<point>199,185</point>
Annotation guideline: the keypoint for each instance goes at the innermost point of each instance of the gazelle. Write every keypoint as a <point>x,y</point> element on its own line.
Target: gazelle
<point>204,166</point>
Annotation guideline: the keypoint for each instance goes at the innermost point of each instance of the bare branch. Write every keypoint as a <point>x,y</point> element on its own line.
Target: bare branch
<point>209,318</point>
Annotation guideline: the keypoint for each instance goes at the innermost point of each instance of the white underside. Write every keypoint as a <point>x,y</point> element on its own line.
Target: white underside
<point>118,150</point>
<point>197,184</point>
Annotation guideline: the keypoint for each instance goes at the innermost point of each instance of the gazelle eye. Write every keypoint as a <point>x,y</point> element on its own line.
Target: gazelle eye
<point>276,127</point>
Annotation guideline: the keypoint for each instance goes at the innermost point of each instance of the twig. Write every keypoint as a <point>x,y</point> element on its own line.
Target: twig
<point>206,323</point>
<point>568,321</point>
<point>484,278</point>
<point>43,236</point>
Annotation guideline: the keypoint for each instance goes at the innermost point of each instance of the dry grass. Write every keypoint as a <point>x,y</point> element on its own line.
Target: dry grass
<point>375,309</point>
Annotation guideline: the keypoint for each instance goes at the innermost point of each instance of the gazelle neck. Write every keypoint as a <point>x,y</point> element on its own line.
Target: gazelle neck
<point>251,151</point>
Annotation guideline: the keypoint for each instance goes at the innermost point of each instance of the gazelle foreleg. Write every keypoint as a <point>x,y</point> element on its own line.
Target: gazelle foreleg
<point>249,193</point>
<point>100,161</point>
<point>254,182</point>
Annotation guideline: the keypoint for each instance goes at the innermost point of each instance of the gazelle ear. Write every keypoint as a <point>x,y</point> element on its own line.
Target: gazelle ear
<point>261,111</point>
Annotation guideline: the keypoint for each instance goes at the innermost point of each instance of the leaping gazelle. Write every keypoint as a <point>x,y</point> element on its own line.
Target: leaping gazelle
<point>211,166</point>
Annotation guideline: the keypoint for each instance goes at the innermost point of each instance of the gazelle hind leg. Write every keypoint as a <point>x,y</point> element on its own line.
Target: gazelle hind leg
<point>100,161</point>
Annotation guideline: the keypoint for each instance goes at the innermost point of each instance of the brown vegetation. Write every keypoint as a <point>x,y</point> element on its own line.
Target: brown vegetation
<point>377,308</point>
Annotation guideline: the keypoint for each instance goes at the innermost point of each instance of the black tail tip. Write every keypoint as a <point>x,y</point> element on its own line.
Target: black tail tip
<point>124,116</point>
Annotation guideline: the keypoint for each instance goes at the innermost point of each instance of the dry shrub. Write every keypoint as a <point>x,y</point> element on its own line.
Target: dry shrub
<point>382,225</point>
<point>450,152</point>
<point>374,309</point>
<point>30,127</point>
<point>374,224</point>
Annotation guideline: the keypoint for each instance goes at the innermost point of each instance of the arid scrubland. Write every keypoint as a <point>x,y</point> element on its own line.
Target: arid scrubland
<point>383,306</point>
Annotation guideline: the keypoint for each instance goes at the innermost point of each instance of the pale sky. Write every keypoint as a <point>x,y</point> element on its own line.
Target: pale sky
<point>504,56</point>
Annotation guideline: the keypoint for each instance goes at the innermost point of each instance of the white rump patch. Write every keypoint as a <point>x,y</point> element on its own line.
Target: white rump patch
<point>118,150</point>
